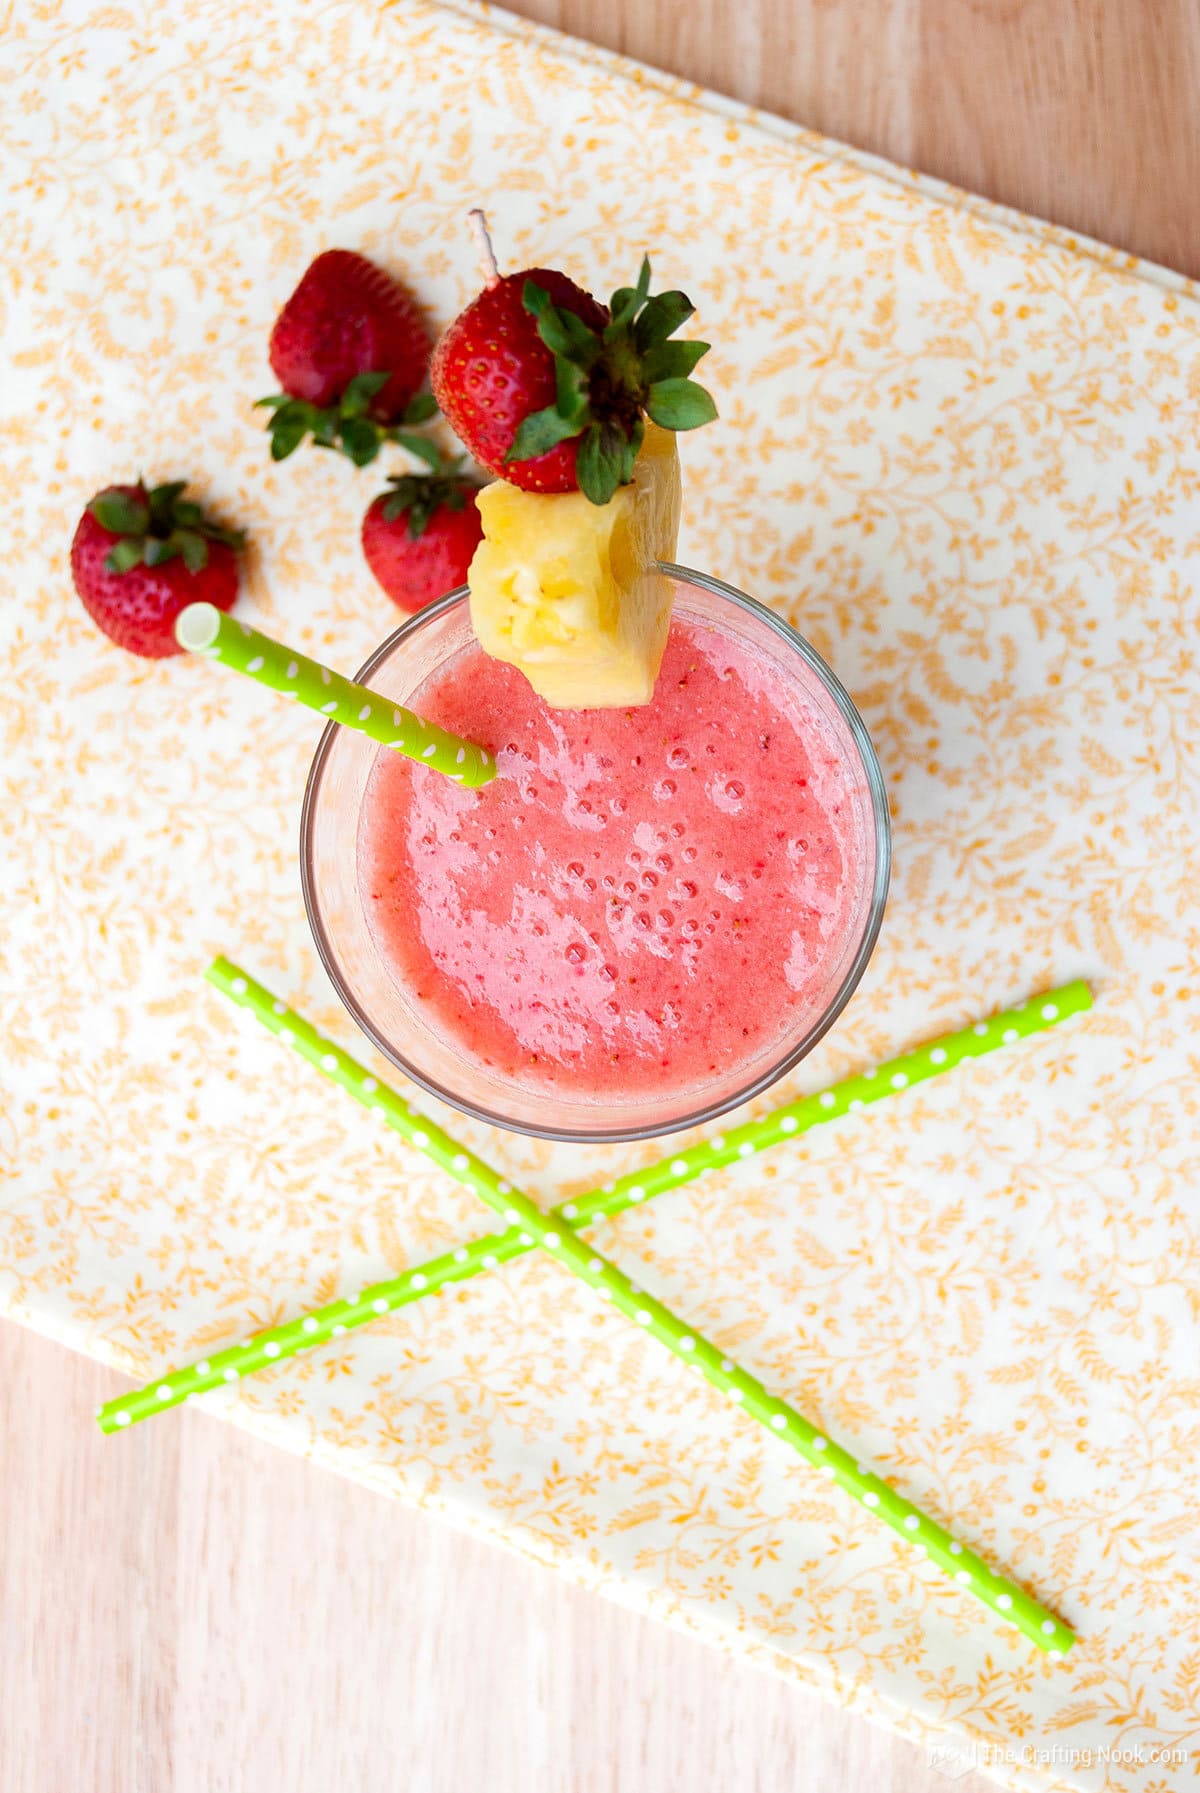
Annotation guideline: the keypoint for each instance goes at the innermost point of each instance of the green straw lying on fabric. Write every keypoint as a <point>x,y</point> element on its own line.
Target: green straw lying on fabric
<point>555,1234</point>
<point>203,629</point>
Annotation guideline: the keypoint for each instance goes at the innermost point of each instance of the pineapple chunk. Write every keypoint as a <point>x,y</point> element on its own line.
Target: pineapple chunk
<point>567,590</point>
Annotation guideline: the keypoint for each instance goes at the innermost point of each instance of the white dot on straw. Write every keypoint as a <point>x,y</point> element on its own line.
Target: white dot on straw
<point>1009,1036</point>
<point>956,1550</point>
<point>938,1056</point>
<point>511,1217</point>
<point>164,1391</point>
<point>504,1186</point>
<point>420,1139</point>
<point>309,1324</point>
<point>369,1086</point>
<point>1048,1627</point>
<point>912,1523</point>
<point>551,1240</point>
<point>292,669</point>
<point>899,1080</point>
<point>854,1104</point>
<point>595,1266</point>
<point>418,1281</point>
<point>239,986</point>
<point>827,1098</point>
<point>569,1210</point>
<point>687,1342</point>
<point>735,1394</point>
<point>980,1028</point>
<point>365,713</point>
<point>746,1149</point>
<point>287,1036</point>
<point>203,1367</point>
<point>380,1304</point>
<point>255,665</point>
<point>427,753</point>
<point>122,1418</point>
<point>271,1349</point>
<point>338,1330</point>
<point>460,756</point>
<point>779,1421</point>
<point>963,1575</point>
<point>727,1364</point>
<point>230,1375</point>
<point>460,1161</point>
<point>679,1167</point>
<point>643,1316</point>
<point>278,1008</point>
<point>1004,1602</point>
<point>329,708</point>
<point>788,1124</point>
<point>819,1443</point>
<point>461,1255</point>
<point>636,1193</point>
<point>870,1498</point>
<point>326,675</point>
<point>526,1238</point>
<point>328,1062</point>
<point>1049,1013</point>
<point>490,1262</point>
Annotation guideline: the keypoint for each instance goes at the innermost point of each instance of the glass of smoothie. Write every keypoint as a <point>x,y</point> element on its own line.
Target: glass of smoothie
<point>648,917</point>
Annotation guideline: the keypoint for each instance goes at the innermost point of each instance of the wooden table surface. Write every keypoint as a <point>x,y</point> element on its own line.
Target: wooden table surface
<point>187,1610</point>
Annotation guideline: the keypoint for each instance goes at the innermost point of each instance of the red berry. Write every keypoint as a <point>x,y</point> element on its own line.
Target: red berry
<point>415,569</point>
<point>137,608</point>
<point>491,370</point>
<point>348,317</point>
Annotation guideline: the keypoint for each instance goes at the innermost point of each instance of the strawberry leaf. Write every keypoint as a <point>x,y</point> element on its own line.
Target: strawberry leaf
<point>356,399</point>
<point>123,555</point>
<point>420,409</point>
<point>287,433</point>
<point>562,332</point>
<point>193,547</point>
<point>660,318</point>
<point>360,439</point>
<point>540,432</point>
<point>120,514</point>
<point>156,551</point>
<point>421,446</point>
<point>672,360</point>
<point>163,501</point>
<point>680,405</point>
<point>600,461</point>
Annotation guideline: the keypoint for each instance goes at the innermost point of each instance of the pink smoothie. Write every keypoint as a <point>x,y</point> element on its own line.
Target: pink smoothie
<point>656,894</point>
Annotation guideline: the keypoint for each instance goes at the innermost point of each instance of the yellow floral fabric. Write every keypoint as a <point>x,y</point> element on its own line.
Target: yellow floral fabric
<point>960,451</point>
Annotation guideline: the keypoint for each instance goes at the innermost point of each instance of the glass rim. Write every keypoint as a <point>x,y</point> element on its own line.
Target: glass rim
<point>764,1079</point>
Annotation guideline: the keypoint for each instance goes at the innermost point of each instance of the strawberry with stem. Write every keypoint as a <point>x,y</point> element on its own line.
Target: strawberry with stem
<point>549,389</point>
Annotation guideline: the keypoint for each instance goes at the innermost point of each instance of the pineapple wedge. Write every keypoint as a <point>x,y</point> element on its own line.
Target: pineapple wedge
<point>567,590</point>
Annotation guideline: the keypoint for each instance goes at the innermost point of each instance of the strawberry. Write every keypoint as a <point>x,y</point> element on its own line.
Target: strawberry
<point>138,557</point>
<point>351,353</point>
<point>548,388</point>
<point>420,535</point>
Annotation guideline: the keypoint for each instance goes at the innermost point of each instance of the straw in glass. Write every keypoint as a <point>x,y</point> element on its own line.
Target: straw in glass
<point>203,629</point>
<point>555,1235</point>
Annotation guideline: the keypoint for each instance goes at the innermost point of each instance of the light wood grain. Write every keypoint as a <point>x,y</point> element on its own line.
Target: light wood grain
<point>185,1610</point>
<point>1079,111</point>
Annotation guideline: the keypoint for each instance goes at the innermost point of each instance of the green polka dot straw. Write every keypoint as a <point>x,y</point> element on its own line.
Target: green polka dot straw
<point>527,1228</point>
<point>203,629</point>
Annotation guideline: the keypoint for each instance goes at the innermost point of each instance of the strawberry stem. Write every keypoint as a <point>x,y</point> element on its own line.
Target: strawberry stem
<point>477,220</point>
